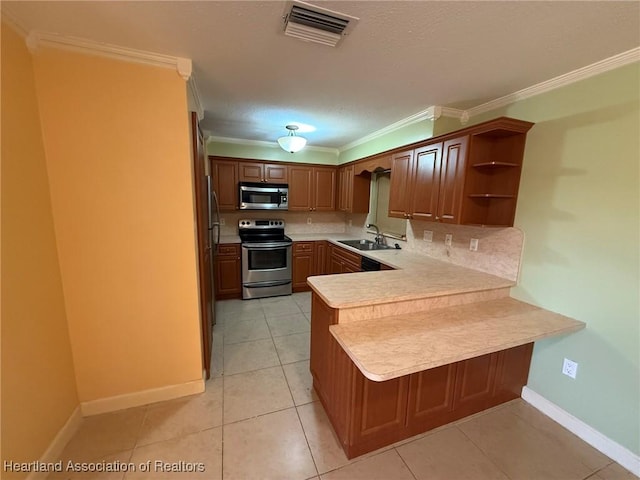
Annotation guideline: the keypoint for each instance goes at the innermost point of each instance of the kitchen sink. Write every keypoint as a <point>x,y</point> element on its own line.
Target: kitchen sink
<point>365,245</point>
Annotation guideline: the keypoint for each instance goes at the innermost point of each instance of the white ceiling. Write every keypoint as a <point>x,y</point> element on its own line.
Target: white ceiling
<point>402,56</point>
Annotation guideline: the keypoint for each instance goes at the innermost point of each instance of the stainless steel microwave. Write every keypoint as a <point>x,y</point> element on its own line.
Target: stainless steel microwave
<point>263,196</point>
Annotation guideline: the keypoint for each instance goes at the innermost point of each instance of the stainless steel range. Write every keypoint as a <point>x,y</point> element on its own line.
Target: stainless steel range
<point>266,258</point>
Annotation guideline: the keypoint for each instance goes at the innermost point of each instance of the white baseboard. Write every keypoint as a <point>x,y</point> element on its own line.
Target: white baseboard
<point>52,454</point>
<point>597,440</point>
<point>144,397</point>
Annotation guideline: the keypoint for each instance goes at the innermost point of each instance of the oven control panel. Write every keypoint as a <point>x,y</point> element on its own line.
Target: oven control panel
<point>261,223</point>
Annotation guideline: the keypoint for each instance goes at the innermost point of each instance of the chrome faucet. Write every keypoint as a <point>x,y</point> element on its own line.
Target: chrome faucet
<point>379,238</point>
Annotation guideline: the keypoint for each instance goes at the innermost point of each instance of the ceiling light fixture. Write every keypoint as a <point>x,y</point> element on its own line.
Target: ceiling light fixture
<point>292,143</point>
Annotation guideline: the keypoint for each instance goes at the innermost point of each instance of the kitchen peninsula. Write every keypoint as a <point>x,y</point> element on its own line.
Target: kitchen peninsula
<point>396,353</point>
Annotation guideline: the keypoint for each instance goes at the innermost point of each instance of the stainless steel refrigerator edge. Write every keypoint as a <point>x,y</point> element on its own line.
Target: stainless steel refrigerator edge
<point>213,210</point>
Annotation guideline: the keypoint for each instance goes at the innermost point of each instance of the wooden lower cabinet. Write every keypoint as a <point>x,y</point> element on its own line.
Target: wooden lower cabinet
<point>228,274</point>
<point>342,260</point>
<point>431,394</point>
<point>303,265</point>
<point>320,266</point>
<point>368,415</point>
<point>379,413</point>
<point>309,258</point>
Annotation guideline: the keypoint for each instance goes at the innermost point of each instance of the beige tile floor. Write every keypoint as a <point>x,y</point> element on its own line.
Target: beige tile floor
<point>260,419</point>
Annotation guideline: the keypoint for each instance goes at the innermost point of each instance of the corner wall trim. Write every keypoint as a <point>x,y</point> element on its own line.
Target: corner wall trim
<point>143,397</point>
<point>597,440</point>
<point>60,441</point>
<point>183,66</point>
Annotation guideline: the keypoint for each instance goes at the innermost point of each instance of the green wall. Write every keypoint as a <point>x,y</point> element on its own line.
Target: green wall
<point>307,155</point>
<point>403,136</point>
<point>411,133</point>
<point>579,207</point>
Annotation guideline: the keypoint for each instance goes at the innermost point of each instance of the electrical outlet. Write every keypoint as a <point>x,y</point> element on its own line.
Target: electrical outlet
<point>473,245</point>
<point>570,368</point>
<point>427,236</point>
<point>351,223</point>
<point>308,220</point>
<point>448,238</point>
<point>222,221</point>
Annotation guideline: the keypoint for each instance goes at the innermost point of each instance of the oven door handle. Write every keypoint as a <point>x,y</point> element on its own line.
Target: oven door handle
<point>265,246</point>
<point>276,283</point>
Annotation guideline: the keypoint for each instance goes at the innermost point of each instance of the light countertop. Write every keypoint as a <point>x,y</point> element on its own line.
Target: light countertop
<point>417,277</point>
<point>392,347</point>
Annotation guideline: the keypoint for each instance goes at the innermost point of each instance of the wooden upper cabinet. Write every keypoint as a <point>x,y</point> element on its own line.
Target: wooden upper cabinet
<point>469,177</point>
<point>263,172</point>
<point>402,178</point>
<point>324,188</point>
<point>312,188</point>
<point>450,198</point>
<point>353,190</point>
<point>225,183</point>
<point>300,188</point>
<point>426,182</point>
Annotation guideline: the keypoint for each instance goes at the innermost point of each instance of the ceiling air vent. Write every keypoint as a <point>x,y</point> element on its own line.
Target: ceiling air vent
<point>315,24</point>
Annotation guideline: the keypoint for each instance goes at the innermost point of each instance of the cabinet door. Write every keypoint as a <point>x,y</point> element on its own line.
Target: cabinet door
<point>275,173</point>
<point>251,172</point>
<point>320,360</point>
<point>344,188</point>
<point>426,187</point>
<point>335,265</point>
<point>300,188</point>
<point>324,189</point>
<point>225,183</point>
<point>401,184</point>
<point>320,254</point>
<point>228,280</point>
<point>303,265</point>
<point>454,154</point>
<point>474,384</point>
<point>380,409</point>
<point>512,373</point>
<point>431,394</point>
<point>343,372</point>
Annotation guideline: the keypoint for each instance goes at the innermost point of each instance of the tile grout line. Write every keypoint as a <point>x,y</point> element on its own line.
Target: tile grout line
<point>395,449</point>
<point>482,451</point>
<point>295,407</point>
<point>222,402</point>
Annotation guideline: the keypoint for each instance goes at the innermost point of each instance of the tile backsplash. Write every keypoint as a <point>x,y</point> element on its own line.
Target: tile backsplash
<point>296,222</point>
<point>499,249</point>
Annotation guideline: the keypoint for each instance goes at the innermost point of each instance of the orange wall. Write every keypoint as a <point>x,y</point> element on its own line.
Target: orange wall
<point>118,156</point>
<point>38,383</point>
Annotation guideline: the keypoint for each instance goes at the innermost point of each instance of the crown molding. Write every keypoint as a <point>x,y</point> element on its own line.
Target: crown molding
<point>182,65</point>
<point>262,143</point>
<point>10,19</point>
<point>620,60</point>
<point>461,115</point>
<point>431,113</point>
